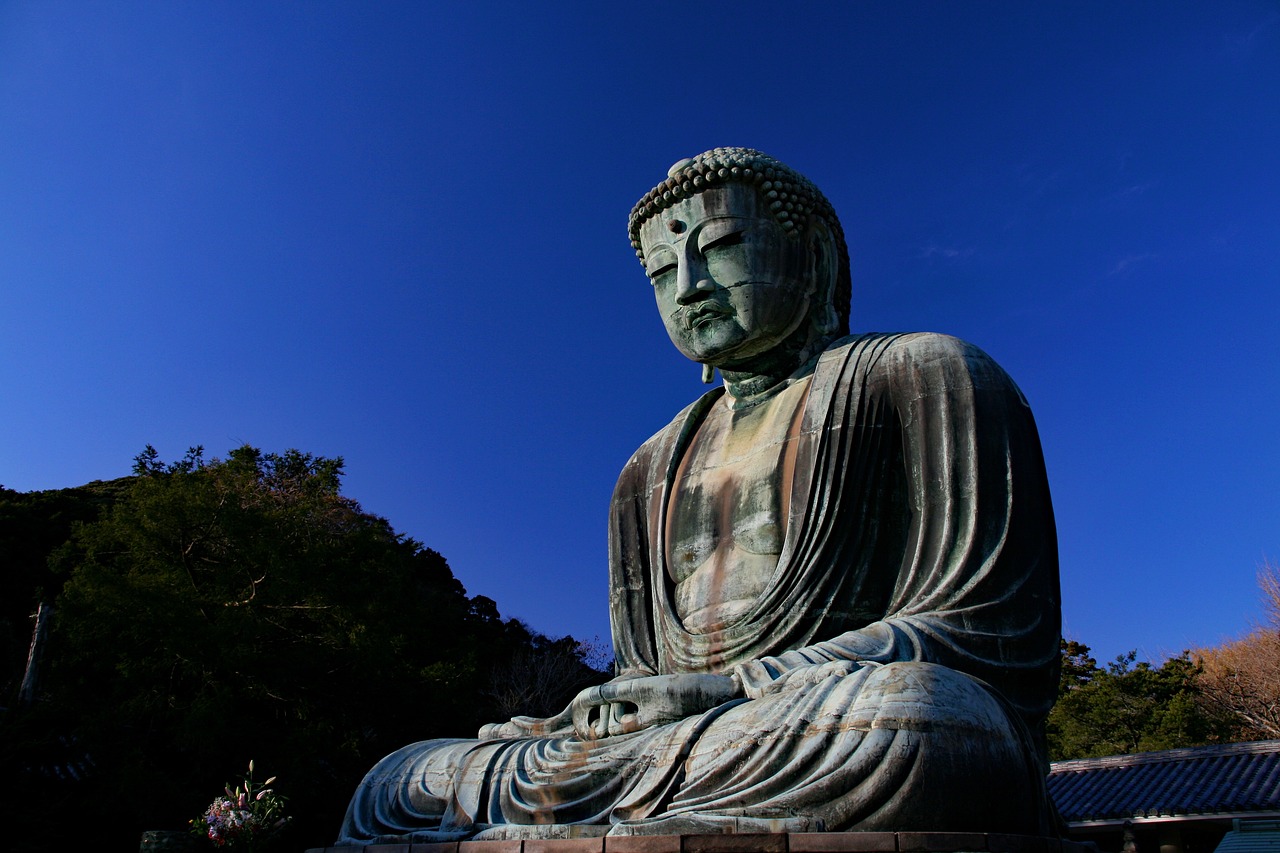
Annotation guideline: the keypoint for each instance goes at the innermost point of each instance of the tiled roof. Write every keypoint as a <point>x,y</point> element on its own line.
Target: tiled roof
<point>1230,779</point>
<point>1252,836</point>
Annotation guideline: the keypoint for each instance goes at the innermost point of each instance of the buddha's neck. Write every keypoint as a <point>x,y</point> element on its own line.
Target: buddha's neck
<point>758,379</point>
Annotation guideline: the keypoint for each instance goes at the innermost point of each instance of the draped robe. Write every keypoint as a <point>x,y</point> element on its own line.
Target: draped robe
<point>897,669</point>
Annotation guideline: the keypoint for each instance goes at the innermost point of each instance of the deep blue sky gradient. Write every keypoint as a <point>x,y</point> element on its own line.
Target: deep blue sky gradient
<point>395,232</point>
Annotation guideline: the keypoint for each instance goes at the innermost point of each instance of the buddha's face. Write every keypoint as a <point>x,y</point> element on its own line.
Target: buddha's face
<point>729,282</point>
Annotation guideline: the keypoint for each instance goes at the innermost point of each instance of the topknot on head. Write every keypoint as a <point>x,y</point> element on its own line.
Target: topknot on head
<point>676,167</point>
<point>790,196</point>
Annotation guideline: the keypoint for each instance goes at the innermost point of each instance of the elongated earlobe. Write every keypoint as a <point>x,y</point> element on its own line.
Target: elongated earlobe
<point>824,272</point>
<point>708,374</point>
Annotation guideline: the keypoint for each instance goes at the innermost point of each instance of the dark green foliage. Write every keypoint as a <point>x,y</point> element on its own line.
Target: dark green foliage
<point>33,525</point>
<point>226,610</point>
<point>1130,706</point>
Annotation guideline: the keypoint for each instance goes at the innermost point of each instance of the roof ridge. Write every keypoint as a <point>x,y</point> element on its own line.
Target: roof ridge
<point>1188,752</point>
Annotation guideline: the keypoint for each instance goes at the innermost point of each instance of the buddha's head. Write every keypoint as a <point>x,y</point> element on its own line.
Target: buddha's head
<point>746,257</point>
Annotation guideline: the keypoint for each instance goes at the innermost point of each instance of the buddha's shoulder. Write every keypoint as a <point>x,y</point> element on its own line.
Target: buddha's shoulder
<point>890,356</point>
<point>908,345</point>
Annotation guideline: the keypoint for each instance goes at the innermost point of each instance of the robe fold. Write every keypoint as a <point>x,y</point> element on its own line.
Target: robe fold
<point>897,668</point>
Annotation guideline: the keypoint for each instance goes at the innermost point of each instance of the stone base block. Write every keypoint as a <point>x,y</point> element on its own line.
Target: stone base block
<point>782,842</point>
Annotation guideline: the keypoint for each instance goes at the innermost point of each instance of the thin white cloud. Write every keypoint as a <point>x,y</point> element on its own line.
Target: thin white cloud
<point>1136,189</point>
<point>1129,261</point>
<point>1241,48</point>
<point>946,253</point>
<point>1038,181</point>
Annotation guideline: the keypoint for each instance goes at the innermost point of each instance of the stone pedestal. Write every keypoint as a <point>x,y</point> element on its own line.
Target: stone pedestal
<point>169,841</point>
<point>795,842</point>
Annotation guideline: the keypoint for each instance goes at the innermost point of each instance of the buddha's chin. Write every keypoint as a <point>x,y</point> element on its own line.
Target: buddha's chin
<point>711,343</point>
<point>742,354</point>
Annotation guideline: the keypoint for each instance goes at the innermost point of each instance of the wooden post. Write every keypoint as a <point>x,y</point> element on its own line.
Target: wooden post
<point>39,636</point>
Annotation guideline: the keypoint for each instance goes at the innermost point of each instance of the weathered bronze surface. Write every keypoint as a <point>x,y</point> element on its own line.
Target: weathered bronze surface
<point>834,590</point>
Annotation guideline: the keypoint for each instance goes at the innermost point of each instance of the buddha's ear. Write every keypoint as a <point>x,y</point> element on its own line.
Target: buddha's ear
<point>825,268</point>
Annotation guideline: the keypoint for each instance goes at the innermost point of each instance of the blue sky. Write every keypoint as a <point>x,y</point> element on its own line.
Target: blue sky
<point>395,232</point>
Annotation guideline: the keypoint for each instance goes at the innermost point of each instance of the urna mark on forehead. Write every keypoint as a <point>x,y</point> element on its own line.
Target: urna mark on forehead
<point>729,201</point>
<point>785,194</point>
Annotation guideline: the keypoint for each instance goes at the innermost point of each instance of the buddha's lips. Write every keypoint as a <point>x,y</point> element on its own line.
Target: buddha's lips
<point>702,311</point>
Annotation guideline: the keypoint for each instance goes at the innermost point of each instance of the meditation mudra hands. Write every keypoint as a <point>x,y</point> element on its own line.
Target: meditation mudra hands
<point>625,705</point>
<point>631,705</point>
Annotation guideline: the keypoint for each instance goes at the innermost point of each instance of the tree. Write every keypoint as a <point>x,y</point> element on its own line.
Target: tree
<point>1242,676</point>
<point>223,610</point>
<point>32,526</point>
<point>541,674</point>
<point>1130,706</point>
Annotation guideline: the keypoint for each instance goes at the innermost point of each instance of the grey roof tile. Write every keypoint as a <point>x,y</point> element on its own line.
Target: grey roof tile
<point>1252,836</point>
<point>1237,778</point>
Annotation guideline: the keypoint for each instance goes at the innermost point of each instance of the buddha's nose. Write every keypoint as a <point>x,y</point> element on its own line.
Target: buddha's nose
<point>692,283</point>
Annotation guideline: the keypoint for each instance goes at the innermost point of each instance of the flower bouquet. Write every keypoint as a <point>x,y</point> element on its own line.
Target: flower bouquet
<point>245,819</point>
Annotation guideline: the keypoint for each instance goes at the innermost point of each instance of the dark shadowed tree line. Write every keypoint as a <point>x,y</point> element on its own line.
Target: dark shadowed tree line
<point>206,612</point>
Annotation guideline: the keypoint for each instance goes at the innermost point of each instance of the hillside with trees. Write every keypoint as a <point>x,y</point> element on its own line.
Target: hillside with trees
<point>209,612</point>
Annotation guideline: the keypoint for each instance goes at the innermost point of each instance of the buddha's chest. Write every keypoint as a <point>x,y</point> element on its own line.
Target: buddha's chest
<point>726,519</point>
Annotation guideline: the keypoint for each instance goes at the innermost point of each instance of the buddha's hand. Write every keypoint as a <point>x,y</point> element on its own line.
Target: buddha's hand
<point>623,707</point>
<point>559,725</point>
<point>800,678</point>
